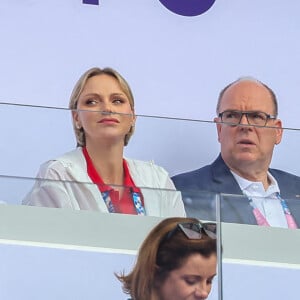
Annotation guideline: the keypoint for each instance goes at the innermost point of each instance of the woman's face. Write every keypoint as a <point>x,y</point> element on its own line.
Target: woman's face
<point>103,110</point>
<point>192,281</point>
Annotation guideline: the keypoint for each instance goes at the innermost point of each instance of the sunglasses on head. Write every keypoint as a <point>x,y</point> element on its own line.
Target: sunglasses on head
<point>195,231</point>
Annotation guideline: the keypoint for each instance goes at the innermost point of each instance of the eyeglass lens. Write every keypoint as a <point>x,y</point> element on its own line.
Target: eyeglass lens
<point>210,229</point>
<point>193,231</point>
<point>253,118</point>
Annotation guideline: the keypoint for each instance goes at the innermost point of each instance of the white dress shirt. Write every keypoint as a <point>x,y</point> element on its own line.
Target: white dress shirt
<point>266,201</point>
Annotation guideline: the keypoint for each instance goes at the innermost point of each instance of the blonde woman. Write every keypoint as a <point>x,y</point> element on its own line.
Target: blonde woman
<point>96,176</point>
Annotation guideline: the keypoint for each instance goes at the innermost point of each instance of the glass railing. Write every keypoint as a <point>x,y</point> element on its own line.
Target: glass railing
<point>85,196</point>
<point>262,260</point>
<point>36,134</point>
<point>248,254</point>
<point>76,228</point>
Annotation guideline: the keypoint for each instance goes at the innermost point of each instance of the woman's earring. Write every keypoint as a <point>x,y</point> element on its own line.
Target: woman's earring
<point>78,126</point>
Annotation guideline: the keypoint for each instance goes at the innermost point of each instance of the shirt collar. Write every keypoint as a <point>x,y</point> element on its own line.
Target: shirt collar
<point>248,186</point>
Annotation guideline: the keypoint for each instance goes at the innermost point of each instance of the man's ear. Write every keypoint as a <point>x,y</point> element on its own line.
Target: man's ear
<point>279,131</point>
<point>217,120</point>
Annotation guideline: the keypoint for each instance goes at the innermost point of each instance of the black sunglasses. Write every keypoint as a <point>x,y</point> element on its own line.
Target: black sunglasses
<point>194,231</point>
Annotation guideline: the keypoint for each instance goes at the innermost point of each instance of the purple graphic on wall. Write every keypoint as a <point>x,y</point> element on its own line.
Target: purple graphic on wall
<point>95,2</point>
<point>188,8</point>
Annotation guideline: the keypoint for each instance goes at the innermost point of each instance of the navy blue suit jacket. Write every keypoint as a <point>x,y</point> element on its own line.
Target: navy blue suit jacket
<point>198,190</point>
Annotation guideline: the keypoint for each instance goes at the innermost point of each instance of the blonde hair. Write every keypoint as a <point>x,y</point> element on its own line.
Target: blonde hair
<point>158,256</point>
<point>78,88</point>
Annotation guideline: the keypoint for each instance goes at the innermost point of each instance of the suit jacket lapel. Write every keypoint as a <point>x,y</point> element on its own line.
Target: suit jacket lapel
<point>235,207</point>
<point>294,206</point>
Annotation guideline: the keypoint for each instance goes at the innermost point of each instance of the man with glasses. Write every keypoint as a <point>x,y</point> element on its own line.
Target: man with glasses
<point>248,130</point>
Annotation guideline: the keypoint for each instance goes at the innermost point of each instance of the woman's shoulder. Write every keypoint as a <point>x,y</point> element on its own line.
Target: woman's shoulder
<point>143,164</point>
<point>72,156</point>
<point>69,159</point>
<point>146,171</point>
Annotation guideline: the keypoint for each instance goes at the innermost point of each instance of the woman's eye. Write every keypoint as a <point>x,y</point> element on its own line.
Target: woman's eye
<point>91,101</point>
<point>118,101</point>
<point>190,281</point>
<point>210,280</point>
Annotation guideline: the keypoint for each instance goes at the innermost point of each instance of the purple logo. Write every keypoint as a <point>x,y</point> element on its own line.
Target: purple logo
<point>94,2</point>
<point>188,8</point>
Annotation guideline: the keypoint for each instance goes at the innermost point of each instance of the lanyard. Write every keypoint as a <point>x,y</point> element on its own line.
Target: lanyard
<point>138,204</point>
<point>136,199</point>
<point>262,221</point>
<point>135,193</point>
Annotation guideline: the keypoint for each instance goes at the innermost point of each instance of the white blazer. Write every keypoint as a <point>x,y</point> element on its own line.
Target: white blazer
<point>64,183</point>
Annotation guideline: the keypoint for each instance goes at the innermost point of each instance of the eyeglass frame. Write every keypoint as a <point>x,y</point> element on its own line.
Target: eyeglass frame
<point>201,227</point>
<point>246,113</point>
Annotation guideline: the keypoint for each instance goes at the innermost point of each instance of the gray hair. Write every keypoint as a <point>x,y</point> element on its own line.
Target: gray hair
<point>252,79</point>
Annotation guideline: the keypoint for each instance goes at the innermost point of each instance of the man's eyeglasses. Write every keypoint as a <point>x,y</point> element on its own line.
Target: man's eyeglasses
<point>234,117</point>
<point>195,231</point>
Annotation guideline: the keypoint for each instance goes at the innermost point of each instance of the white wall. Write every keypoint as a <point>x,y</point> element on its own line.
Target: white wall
<point>176,66</point>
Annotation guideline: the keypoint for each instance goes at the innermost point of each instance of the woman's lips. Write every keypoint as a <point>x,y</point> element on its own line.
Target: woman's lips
<point>108,120</point>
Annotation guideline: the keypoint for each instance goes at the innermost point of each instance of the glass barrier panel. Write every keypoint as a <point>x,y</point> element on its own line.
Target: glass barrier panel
<point>37,134</point>
<point>13,189</point>
<point>80,241</point>
<point>242,209</point>
<point>88,196</point>
<point>200,204</point>
<point>262,260</point>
